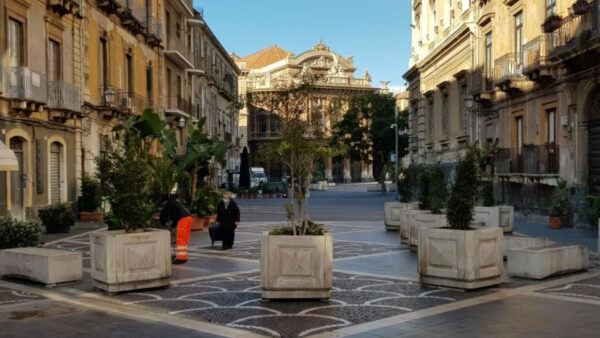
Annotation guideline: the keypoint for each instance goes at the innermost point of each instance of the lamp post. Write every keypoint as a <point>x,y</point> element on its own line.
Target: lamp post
<point>395,126</point>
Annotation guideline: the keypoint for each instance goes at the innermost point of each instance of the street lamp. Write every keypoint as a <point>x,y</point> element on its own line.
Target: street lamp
<point>181,122</point>
<point>109,96</point>
<point>395,127</point>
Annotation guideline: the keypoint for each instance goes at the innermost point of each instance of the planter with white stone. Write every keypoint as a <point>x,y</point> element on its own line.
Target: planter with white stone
<point>407,218</point>
<point>466,259</point>
<point>130,261</point>
<point>514,242</point>
<point>547,260</point>
<point>496,216</point>
<point>423,220</point>
<point>395,212</point>
<point>42,265</point>
<point>294,267</point>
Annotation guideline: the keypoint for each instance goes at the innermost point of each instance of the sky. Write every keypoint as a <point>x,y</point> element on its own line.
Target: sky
<point>375,32</point>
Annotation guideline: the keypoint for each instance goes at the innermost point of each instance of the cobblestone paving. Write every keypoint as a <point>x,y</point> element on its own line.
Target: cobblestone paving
<point>341,249</point>
<point>10,296</point>
<point>587,288</point>
<point>235,302</point>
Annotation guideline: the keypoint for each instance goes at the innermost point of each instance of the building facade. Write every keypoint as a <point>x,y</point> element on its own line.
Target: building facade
<point>502,74</point>
<point>71,70</point>
<point>335,83</point>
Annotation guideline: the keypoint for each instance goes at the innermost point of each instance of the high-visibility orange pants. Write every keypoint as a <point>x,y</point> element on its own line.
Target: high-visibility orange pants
<point>184,228</point>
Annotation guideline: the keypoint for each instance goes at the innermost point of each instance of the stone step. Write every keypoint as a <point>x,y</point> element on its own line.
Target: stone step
<point>47,266</point>
<point>543,261</point>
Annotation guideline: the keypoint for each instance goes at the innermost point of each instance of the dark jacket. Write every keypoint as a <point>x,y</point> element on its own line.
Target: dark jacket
<point>173,210</point>
<point>228,216</point>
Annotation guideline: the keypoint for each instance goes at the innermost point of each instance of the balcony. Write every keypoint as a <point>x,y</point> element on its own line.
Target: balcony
<point>63,7</point>
<point>482,87</point>
<point>264,136</point>
<point>185,6</point>
<point>178,52</point>
<point>154,32</point>
<point>535,61</point>
<point>110,101</point>
<point>178,106</point>
<point>534,160</point>
<point>133,19</point>
<point>508,72</point>
<point>577,33</point>
<point>25,85</point>
<point>131,103</point>
<point>109,6</point>
<point>64,96</point>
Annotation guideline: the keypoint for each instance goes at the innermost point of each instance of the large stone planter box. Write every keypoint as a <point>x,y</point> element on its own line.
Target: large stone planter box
<point>466,259</point>
<point>423,220</point>
<point>394,214</point>
<point>130,261</point>
<point>547,260</point>
<point>91,217</point>
<point>296,266</point>
<point>496,216</point>
<point>407,219</point>
<point>514,242</point>
<point>47,266</point>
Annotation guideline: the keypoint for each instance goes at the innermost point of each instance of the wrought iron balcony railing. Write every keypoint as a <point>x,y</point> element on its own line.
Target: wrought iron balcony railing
<point>531,160</point>
<point>25,84</point>
<point>178,50</point>
<point>64,96</point>
<point>506,67</point>
<point>534,54</point>
<point>176,103</point>
<point>576,31</point>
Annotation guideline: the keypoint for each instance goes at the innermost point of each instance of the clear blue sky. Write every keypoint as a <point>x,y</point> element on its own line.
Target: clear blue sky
<point>375,32</point>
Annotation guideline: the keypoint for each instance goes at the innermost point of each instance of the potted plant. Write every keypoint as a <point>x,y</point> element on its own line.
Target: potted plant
<point>433,181</point>
<point>297,260</point>
<point>461,255</point>
<point>131,255</point>
<point>560,205</point>
<point>90,199</point>
<point>57,218</point>
<point>580,7</point>
<point>552,23</point>
<point>395,212</point>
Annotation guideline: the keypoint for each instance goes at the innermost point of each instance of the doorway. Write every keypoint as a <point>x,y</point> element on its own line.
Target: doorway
<point>18,179</point>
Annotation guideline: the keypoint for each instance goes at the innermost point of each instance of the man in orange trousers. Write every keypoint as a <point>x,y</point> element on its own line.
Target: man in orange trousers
<point>180,215</point>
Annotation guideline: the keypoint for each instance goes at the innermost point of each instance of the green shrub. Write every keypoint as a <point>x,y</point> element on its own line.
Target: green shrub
<point>17,234</point>
<point>593,211</point>
<point>57,218</point>
<point>462,197</point>
<point>438,192</point>
<point>312,229</point>
<point>424,188</point>
<point>560,203</point>
<point>488,194</point>
<point>206,201</point>
<point>404,186</point>
<point>91,194</point>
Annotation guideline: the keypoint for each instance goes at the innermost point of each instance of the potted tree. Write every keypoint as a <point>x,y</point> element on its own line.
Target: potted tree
<point>395,212</point>
<point>552,23</point>
<point>560,206</point>
<point>461,255</point>
<point>434,185</point>
<point>297,260</point>
<point>130,255</point>
<point>90,199</point>
<point>57,218</point>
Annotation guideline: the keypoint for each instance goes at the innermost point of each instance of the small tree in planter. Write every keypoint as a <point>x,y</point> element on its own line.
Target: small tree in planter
<point>303,270</point>
<point>57,218</point>
<point>560,205</point>
<point>434,195</point>
<point>475,260</point>
<point>90,199</point>
<point>552,23</point>
<point>438,193</point>
<point>131,255</point>
<point>424,188</point>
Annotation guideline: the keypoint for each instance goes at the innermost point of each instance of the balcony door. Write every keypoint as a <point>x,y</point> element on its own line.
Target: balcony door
<point>17,179</point>
<point>594,146</point>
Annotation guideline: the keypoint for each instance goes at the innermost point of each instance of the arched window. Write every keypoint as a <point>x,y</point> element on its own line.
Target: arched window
<point>275,123</point>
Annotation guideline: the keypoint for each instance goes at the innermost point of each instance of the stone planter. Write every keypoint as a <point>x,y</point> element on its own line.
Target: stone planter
<point>91,217</point>
<point>130,261</point>
<point>394,214</point>
<point>466,259</point>
<point>496,216</point>
<point>407,218</point>
<point>294,267</point>
<point>423,220</point>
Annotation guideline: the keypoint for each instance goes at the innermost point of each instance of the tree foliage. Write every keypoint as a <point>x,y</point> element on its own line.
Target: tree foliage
<point>464,192</point>
<point>245,170</point>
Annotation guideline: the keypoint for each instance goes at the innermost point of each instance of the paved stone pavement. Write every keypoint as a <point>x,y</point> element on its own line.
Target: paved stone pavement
<point>376,291</point>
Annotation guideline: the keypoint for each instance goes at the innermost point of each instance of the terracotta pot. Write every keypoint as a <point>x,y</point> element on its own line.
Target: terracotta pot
<point>91,217</point>
<point>212,218</point>
<point>198,223</point>
<point>552,25</point>
<point>555,222</point>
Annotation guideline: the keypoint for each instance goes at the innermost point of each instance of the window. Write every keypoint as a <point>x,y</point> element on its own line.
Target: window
<point>169,85</point>
<point>129,80</point>
<point>488,58</point>
<point>550,7</point>
<point>464,115</point>
<point>430,119</point>
<point>103,62</point>
<point>551,126</point>
<point>450,13</point>
<point>16,39</point>
<point>519,134</point>
<point>262,123</point>
<point>518,38</point>
<point>445,117</point>
<point>149,82</point>
<point>54,61</point>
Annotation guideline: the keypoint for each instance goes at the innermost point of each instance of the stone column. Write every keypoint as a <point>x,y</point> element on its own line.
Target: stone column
<point>347,171</point>
<point>366,172</point>
<point>328,169</point>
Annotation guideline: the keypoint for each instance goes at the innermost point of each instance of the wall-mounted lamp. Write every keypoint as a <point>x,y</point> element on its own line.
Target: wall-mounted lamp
<point>475,108</point>
<point>181,122</point>
<point>109,96</point>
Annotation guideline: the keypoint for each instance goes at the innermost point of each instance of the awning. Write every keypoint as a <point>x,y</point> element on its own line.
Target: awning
<point>8,160</point>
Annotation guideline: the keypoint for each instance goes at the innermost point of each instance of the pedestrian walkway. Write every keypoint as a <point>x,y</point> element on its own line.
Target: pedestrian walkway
<point>376,293</point>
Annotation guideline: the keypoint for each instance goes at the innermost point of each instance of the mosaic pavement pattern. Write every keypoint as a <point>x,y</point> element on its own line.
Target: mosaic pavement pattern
<point>10,296</point>
<point>587,289</point>
<point>235,302</point>
<point>80,243</point>
<point>341,249</point>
